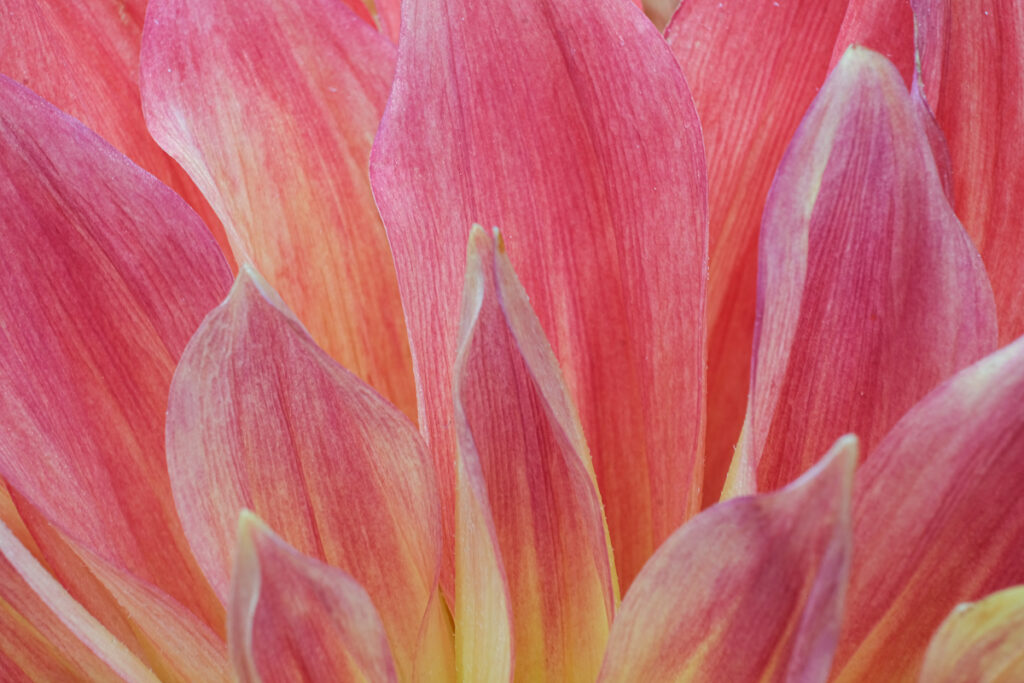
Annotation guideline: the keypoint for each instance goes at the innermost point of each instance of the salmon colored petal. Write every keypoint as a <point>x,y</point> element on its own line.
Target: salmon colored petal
<point>604,207</point>
<point>972,66</point>
<point>525,467</point>
<point>389,18</point>
<point>659,11</point>
<point>106,275</point>
<point>749,108</point>
<point>938,517</point>
<point>84,58</point>
<point>272,110</point>
<point>752,589</point>
<point>885,26</point>
<point>293,618</point>
<point>869,291</point>
<point>259,417</point>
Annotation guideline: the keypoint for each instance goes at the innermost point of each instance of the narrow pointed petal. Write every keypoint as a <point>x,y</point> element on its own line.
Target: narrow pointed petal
<point>938,517</point>
<point>293,618</point>
<point>259,417</point>
<point>972,66</point>
<point>106,275</point>
<point>869,291</point>
<point>885,26</point>
<point>604,209</point>
<point>525,468</point>
<point>752,589</point>
<point>272,108</point>
<point>749,108</point>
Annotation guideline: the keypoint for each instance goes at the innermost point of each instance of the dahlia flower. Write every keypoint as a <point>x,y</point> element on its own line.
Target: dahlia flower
<point>487,341</point>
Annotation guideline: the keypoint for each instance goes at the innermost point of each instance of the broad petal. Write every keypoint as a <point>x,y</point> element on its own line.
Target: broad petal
<point>869,291</point>
<point>885,26</point>
<point>972,66</point>
<point>107,273</point>
<point>272,109</point>
<point>938,517</point>
<point>259,417</point>
<point>982,641</point>
<point>751,589</point>
<point>604,207</point>
<point>525,466</point>
<point>293,618</point>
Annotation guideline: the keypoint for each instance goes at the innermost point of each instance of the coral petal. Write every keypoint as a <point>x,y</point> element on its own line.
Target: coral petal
<point>885,26</point>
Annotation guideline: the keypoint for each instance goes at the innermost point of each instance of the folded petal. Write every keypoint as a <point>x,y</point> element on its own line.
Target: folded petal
<point>259,417</point>
<point>972,66</point>
<point>869,291</point>
<point>272,109</point>
<point>293,618</point>
<point>106,275</point>
<point>604,207</point>
<point>526,483</point>
<point>885,26</point>
<point>938,517</point>
<point>751,589</point>
<point>749,108</point>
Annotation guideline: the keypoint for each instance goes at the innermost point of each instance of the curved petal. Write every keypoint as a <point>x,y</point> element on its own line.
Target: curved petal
<point>749,108</point>
<point>259,417</point>
<point>938,517</point>
<point>885,26</point>
<point>972,66</point>
<point>869,291</point>
<point>272,107</point>
<point>293,618</point>
<point>751,589</point>
<point>525,468</point>
<point>106,275</point>
<point>593,194</point>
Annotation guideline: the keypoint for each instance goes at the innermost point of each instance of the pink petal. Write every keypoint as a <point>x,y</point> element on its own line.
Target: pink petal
<point>526,490</point>
<point>885,26</point>
<point>106,275</point>
<point>570,127</point>
<point>259,417</point>
<point>273,110</point>
<point>389,16</point>
<point>752,589</point>
<point>869,291</point>
<point>293,618</point>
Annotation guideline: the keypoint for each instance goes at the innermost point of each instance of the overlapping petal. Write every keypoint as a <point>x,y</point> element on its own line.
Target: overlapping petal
<point>885,26</point>
<point>272,108</point>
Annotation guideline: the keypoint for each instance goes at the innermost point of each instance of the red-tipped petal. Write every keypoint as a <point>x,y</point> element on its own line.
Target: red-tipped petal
<point>869,291</point>
<point>754,67</point>
<point>572,129</point>
<point>938,517</point>
<point>293,618</point>
<point>106,275</point>
<point>272,108</point>
<point>885,26</point>
<point>752,589</point>
<point>972,65</point>
<point>525,468</point>
<point>259,417</point>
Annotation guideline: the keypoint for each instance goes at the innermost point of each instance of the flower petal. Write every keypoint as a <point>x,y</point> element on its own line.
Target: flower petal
<point>751,589</point>
<point>272,109</point>
<point>972,67</point>
<point>938,517</point>
<point>293,618</point>
<point>869,291</point>
<point>885,26</point>
<point>525,469</point>
<point>592,193</point>
<point>982,641</point>
<point>259,417</point>
<point>749,108</point>
<point>106,275</point>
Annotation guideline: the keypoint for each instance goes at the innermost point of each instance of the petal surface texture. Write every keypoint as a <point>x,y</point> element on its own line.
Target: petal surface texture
<point>938,517</point>
<point>261,418</point>
<point>870,293</point>
<point>751,589</point>
<point>526,493</point>
<point>107,274</point>
<point>972,67</point>
<point>293,618</point>
<point>272,108</point>
<point>885,26</point>
<point>569,126</point>
<point>749,108</point>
